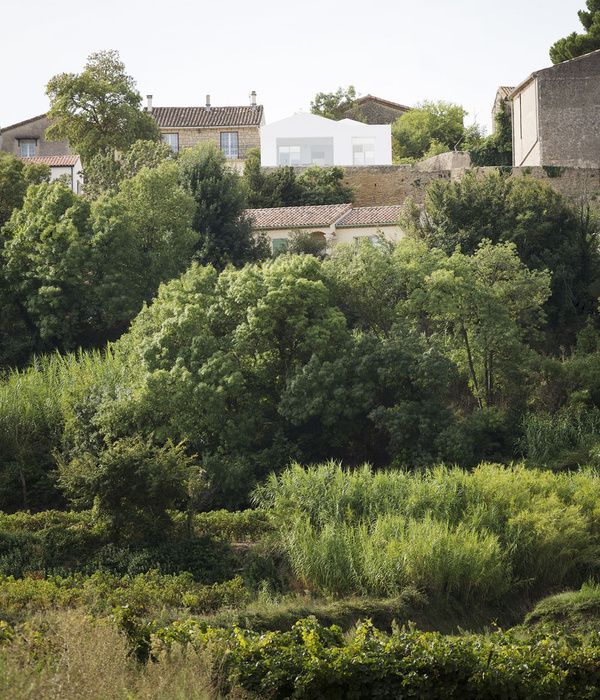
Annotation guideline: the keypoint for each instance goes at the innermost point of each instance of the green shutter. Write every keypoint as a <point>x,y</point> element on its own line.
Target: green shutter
<point>280,245</point>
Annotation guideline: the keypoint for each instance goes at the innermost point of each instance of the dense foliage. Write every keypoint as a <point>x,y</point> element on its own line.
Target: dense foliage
<point>580,44</point>
<point>281,187</point>
<point>484,535</point>
<point>98,110</point>
<point>431,128</point>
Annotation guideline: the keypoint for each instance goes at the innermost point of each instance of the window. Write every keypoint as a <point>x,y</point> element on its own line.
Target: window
<point>229,144</point>
<point>289,155</point>
<point>27,148</point>
<point>172,140</point>
<point>363,151</point>
<point>280,245</point>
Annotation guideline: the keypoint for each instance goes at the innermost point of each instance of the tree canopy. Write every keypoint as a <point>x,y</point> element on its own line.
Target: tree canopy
<point>334,105</point>
<point>431,128</point>
<point>225,234</point>
<point>545,229</point>
<point>98,110</point>
<point>579,44</point>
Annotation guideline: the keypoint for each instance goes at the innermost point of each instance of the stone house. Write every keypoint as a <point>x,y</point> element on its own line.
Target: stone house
<point>555,116</point>
<point>308,139</point>
<point>334,223</point>
<point>501,104</point>
<point>27,139</point>
<point>234,129</point>
<point>373,110</point>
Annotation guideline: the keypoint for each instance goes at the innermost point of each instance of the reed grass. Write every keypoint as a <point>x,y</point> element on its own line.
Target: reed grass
<point>455,534</point>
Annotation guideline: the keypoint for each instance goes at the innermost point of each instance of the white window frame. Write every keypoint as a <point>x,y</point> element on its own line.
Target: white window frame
<point>230,144</point>
<point>27,147</point>
<point>363,151</point>
<point>172,140</point>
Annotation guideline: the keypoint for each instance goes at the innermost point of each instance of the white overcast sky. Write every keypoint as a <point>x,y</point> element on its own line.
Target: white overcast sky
<point>180,51</point>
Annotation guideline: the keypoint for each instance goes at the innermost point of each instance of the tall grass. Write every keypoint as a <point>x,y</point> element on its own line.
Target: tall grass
<point>69,656</point>
<point>43,406</point>
<point>546,437</point>
<point>453,533</point>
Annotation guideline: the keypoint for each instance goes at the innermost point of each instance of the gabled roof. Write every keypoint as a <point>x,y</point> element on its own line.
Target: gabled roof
<point>342,215</point>
<point>201,117</point>
<point>297,217</point>
<point>387,103</point>
<point>504,91</point>
<point>371,216</point>
<point>54,161</point>
<point>27,121</point>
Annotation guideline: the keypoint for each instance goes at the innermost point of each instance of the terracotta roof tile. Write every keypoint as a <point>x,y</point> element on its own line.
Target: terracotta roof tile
<point>297,217</point>
<point>53,161</point>
<point>371,216</point>
<point>199,117</point>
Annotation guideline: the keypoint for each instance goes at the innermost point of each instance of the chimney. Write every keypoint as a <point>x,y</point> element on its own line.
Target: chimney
<point>208,103</point>
<point>253,99</point>
<point>149,107</point>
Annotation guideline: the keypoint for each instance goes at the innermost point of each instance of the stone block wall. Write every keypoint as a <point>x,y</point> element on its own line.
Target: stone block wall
<point>248,137</point>
<point>381,185</point>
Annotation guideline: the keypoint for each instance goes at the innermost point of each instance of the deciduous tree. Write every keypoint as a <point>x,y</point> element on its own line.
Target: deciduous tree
<point>98,110</point>
<point>334,105</point>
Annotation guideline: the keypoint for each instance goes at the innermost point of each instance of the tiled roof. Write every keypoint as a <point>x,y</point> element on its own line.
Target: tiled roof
<point>27,121</point>
<point>372,98</point>
<point>342,215</point>
<point>181,117</point>
<point>371,216</point>
<point>505,91</point>
<point>297,217</point>
<point>53,161</point>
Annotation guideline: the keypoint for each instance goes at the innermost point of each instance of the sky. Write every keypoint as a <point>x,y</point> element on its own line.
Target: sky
<point>404,51</point>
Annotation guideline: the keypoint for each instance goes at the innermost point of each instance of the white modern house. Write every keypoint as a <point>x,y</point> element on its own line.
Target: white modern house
<point>307,139</point>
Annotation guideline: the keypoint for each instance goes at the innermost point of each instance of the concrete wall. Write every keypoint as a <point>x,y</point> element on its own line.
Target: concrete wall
<point>569,107</point>
<point>33,129</point>
<point>556,119</point>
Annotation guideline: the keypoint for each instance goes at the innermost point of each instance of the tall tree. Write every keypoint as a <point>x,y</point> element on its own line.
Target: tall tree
<point>430,128</point>
<point>225,234</point>
<point>579,44</point>
<point>535,217</point>
<point>98,110</point>
<point>15,178</point>
<point>278,188</point>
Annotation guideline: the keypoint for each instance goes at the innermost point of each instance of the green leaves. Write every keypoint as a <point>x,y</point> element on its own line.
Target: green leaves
<point>579,44</point>
<point>98,110</point>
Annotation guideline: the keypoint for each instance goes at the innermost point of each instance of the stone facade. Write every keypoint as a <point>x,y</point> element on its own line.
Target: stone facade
<point>555,115</point>
<point>33,133</point>
<point>248,137</point>
<point>374,110</point>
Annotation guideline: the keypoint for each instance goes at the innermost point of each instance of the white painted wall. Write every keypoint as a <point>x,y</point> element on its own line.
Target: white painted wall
<point>526,147</point>
<point>312,133</point>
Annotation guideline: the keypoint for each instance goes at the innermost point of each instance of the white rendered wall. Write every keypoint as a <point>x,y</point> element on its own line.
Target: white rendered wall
<point>305,127</point>
<point>526,148</point>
